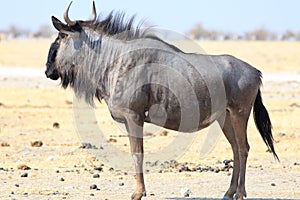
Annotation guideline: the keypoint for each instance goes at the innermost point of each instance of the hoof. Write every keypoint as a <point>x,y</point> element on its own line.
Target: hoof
<point>138,196</point>
<point>227,198</point>
<point>239,197</point>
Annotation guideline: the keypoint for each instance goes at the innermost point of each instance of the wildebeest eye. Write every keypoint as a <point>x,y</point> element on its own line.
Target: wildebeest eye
<point>62,35</point>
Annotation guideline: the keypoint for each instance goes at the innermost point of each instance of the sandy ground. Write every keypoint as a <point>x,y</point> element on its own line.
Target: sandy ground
<point>33,108</point>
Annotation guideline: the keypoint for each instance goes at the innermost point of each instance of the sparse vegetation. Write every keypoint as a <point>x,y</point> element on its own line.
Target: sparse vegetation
<point>197,32</point>
<point>15,32</point>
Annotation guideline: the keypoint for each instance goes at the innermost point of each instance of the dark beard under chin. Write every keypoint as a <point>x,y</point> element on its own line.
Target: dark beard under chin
<point>68,77</point>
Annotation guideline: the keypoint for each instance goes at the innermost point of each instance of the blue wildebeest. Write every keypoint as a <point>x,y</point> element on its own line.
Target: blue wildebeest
<point>132,70</point>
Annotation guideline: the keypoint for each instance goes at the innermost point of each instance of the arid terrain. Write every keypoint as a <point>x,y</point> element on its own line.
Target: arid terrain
<point>45,135</point>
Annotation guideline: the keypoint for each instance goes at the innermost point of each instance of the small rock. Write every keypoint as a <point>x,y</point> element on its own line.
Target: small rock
<point>226,162</point>
<point>280,134</point>
<point>295,105</point>
<point>61,179</point>
<point>273,184</point>
<point>17,185</point>
<point>229,166</point>
<point>36,143</point>
<point>148,134</point>
<point>204,169</point>
<point>217,170</point>
<point>4,144</point>
<point>121,184</point>
<point>93,187</point>
<point>23,167</point>
<point>297,163</point>
<point>111,169</point>
<point>164,133</point>
<point>96,176</point>
<point>154,164</point>
<point>185,192</point>
<point>184,168</point>
<point>198,169</point>
<point>165,164</point>
<point>92,195</point>
<point>147,163</point>
<point>24,174</point>
<point>100,169</point>
<point>69,102</point>
<point>87,146</point>
<point>56,125</point>
<point>112,140</point>
<point>173,163</point>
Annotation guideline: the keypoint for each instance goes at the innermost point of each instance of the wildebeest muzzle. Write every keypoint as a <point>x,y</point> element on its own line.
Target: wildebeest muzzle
<point>51,72</point>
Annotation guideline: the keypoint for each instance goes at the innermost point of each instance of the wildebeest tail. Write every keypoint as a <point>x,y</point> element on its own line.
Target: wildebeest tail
<point>263,123</point>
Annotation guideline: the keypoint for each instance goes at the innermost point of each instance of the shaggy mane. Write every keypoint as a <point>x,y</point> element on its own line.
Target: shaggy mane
<point>118,26</point>
<point>122,28</point>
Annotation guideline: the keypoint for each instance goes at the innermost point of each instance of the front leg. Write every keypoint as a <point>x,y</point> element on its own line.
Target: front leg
<point>134,127</point>
<point>137,152</point>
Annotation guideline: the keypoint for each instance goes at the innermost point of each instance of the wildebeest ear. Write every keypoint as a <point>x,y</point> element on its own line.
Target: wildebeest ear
<point>59,25</point>
<point>63,28</point>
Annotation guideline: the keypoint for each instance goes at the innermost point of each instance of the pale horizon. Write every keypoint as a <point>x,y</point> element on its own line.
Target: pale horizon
<point>230,16</point>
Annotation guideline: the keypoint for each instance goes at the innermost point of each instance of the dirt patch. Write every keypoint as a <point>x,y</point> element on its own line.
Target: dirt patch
<point>33,108</point>
<point>29,114</point>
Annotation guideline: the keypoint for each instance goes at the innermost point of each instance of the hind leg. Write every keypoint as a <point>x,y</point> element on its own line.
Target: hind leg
<point>229,133</point>
<point>239,123</point>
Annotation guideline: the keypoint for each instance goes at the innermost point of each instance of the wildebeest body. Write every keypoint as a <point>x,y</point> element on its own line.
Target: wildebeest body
<point>144,79</point>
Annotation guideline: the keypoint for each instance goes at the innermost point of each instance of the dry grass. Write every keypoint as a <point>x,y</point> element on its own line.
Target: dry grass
<point>24,53</point>
<point>267,56</point>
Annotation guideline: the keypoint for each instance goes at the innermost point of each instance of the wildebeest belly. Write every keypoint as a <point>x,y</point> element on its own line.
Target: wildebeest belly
<point>179,119</point>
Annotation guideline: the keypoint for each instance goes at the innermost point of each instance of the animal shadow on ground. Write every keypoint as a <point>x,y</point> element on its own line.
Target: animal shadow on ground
<point>198,198</point>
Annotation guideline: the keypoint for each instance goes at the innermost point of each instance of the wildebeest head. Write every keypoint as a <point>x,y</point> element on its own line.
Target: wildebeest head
<point>65,50</point>
<point>78,54</point>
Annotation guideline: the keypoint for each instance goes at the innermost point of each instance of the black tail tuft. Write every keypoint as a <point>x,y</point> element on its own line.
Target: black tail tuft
<point>263,123</point>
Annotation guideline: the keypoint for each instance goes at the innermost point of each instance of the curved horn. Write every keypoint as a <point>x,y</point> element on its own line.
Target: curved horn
<point>94,13</point>
<point>66,16</point>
